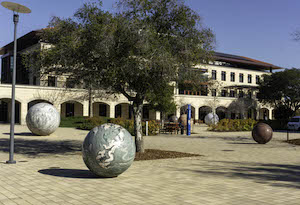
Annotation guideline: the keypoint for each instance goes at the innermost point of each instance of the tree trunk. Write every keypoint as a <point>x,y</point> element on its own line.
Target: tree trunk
<point>138,132</point>
<point>90,103</point>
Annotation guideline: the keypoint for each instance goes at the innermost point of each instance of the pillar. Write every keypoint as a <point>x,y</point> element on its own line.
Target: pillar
<point>85,108</point>
<point>157,115</point>
<point>23,113</point>
<point>196,114</point>
<point>112,110</point>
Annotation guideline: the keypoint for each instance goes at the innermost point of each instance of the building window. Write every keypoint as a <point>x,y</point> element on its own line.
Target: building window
<point>51,81</point>
<point>223,93</point>
<point>257,79</point>
<point>241,94</point>
<point>241,77</point>
<point>70,83</point>
<point>102,110</point>
<point>118,111</point>
<point>214,75</point>
<point>249,78</point>
<point>223,76</point>
<point>11,63</point>
<point>232,93</point>
<point>250,94</point>
<point>213,92</point>
<point>146,112</point>
<point>203,90</point>
<point>232,77</point>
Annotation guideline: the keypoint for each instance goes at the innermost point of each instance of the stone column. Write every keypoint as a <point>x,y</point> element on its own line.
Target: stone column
<point>178,112</point>
<point>85,108</point>
<point>157,115</point>
<point>196,114</point>
<point>270,114</point>
<point>112,110</point>
<point>23,113</point>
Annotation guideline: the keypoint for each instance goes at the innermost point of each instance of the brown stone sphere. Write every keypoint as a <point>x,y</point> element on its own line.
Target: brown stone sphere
<point>262,133</point>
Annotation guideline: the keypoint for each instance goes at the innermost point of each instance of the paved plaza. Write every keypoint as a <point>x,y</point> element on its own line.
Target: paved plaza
<point>232,169</point>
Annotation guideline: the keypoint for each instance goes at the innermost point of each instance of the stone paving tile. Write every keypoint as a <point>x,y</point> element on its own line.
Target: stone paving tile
<point>232,170</point>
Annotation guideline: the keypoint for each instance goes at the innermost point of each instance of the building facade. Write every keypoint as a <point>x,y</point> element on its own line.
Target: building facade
<point>233,95</point>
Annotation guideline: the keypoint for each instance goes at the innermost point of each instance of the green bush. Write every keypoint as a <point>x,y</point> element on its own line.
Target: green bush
<point>90,123</point>
<point>153,126</point>
<point>71,121</point>
<point>228,125</point>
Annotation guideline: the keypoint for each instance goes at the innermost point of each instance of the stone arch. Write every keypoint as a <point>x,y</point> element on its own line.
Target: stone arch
<point>5,110</point>
<point>71,108</point>
<point>264,114</point>
<point>101,109</point>
<point>203,111</point>
<point>33,102</point>
<point>123,110</point>
<point>221,112</point>
<point>183,110</point>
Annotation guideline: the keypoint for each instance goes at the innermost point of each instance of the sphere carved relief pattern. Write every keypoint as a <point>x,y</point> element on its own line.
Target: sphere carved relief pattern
<point>108,150</point>
<point>42,119</point>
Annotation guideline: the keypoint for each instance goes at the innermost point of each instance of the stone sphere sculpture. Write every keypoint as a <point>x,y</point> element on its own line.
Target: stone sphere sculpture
<point>42,119</point>
<point>211,119</point>
<point>108,150</point>
<point>173,118</point>
<point>183,119</point>
<point>262,133</point>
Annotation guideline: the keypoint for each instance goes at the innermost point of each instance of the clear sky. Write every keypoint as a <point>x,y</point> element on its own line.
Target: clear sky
<point>259,29</point>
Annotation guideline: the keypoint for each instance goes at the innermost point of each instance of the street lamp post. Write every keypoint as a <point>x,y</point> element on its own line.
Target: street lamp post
<point>16,8</point>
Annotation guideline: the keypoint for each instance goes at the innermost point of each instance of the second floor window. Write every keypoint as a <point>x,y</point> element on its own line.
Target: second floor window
<point>241,94</point>
<point>232,93</point>
<point>257,79</point>
<point>51,81</point>
<point>232,77</point>
<point>223,76</point>
<point>214,74</point>
<point>249,78</point>
<point>223,93</point>
<point>241,77</point>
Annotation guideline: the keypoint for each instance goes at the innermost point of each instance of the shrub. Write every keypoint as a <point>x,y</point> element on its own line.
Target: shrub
<point>226,125</point>
<point>153,127</point>
<point>91,122</point>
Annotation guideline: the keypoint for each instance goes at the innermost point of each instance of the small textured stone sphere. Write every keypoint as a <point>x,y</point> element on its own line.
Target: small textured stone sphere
<point>262,133</point>
<point>42,119</point>
<point>211,119</point>
<point>173,118</point>
<point>108,150</point>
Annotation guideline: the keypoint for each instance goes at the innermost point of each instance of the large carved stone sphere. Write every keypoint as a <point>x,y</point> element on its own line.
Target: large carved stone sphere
<point>183,119</point>
<point>262,133</point>
<point>108,150</point>
<point>211,119</point>
<point>42,119</point>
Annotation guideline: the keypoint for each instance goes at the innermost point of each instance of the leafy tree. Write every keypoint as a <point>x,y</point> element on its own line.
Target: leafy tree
<point>281,89</point>
<point>138,51</point>
<point>162,101</point>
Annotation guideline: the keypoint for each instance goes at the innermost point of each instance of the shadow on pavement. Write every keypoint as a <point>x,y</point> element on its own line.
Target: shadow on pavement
<point>70,173</point>
<point>41,147</point>
<point>25,134</point>
<point>281,175</point>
